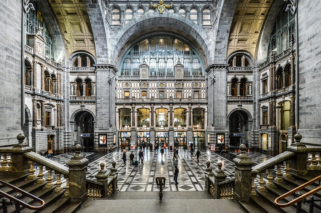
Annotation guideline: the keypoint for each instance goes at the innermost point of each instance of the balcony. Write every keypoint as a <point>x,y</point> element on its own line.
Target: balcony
<point>82,98</point>
<point>82,69</point>
<point>161,100</point>
<point>264,126</point>
<point>240,98</point>
<point>29,49</point>
<point>240,69</point>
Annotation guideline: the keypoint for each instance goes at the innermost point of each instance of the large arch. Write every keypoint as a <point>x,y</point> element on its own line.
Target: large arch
<point>74,114</point>
<point>264,39</point>
<point>167,22</point>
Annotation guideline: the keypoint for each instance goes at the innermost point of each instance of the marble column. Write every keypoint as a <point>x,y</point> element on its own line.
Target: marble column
<point>243,61</point>
<point>79,61</point>
<point>292,111</point>
<point>238,88</point>
<point>58,115</point>
<point>234,62</point>
<point>84,89</point>
<point>292,70</point>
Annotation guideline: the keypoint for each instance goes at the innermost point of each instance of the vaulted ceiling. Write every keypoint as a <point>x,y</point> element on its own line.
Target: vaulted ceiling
<point>74,24</point>
<point>247,25</point>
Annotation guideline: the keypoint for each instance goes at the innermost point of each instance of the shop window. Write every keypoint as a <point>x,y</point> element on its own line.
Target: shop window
<point>143,118</point>
<point>178,94</point>
<point>162,117</point>
<point>180,117</point>
<point>265,140</point>
<point>206,17</point>
<point>124,118</point>
<point>126,94</point>
<point>115,17</point>
<point>285,115</point>
<point>198,118</point>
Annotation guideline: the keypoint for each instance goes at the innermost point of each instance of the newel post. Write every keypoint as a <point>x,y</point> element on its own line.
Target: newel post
<point>299,164</point>
<point>102,178</point>
<point>77,176</point>
<point>243,180</point>
<point>219,176</point>
<point>113,175</point>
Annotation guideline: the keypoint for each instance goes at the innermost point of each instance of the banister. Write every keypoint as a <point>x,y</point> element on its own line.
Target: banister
<point>20,201</point>
<point>302,197</point>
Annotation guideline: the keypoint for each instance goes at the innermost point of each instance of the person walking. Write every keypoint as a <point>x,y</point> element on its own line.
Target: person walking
<point>175,175</point>
<point>131,156</point>
<point>192,150</point>
<point>124,157</point>
<point>141,156</point>
<point>198,153</point>
<point>144,144</point>
<point>162,153</point>
<point>175,162</point>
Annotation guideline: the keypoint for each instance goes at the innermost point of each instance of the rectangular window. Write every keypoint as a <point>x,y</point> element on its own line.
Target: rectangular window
<point>144,94</point>
<point>126,95</point>
<point>265,118</point>
<point>178,94</point>
<point>196,94</point>
<point>161,94</point>
<point>264,86</point>
<point>48,121</point>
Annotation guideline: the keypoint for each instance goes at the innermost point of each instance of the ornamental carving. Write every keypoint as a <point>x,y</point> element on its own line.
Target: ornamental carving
<point>161,6</point>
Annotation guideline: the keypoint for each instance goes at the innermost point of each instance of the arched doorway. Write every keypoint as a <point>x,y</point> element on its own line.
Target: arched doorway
<point>84,130</point>
<point>239,126</point>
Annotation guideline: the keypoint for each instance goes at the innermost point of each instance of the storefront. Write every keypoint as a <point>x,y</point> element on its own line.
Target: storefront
<point>199,139</point>
<point>124,139</point>
<point>143,137</point>
<point>180,139</point>
<point>161,138</point>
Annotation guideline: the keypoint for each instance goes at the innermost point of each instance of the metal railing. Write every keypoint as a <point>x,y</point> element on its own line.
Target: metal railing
<point>17,201</point>
<point>301,198</point>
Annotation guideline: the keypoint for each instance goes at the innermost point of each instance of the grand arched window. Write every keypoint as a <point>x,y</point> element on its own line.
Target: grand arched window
<point>234,87</point>
<point>124,119</point>
<point>161,54</point>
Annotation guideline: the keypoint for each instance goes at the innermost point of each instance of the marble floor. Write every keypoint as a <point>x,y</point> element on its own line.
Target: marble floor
<point>142,178</point>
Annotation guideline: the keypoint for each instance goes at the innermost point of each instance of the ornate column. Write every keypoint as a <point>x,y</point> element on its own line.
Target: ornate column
<point>133,117</point>
<point>270,114</point>
<point>292,70</point>
<point>43,115</point>
<point>229,89</point>
<point>83,89</point>
<point>292,111</point>
<point>243,61</point>
<point>152,117</point>
<point>93,87</point>
<point>234,62</point>
<point>171,116</point>
<point>274,113</point>
<point>35,112</point>
<point>42,77</point>
<point>79,61</point>
<point>189,117</point>
<point>88,61</point>
<point>283,73</point>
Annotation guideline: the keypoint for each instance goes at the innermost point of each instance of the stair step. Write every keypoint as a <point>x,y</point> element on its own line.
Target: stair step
<point>250,207</point>
<point>304,178</point>
<point>70,208</point>
<point>270,198</point>
<point>21,184</point>
<point>298,182</point>
<point>64,201</point>
<point>264,206</point>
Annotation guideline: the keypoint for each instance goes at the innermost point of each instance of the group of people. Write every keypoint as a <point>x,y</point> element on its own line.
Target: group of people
<point>132,156</point>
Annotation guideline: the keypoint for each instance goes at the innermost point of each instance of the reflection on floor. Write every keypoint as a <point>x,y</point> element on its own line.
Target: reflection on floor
<point>142,178</point>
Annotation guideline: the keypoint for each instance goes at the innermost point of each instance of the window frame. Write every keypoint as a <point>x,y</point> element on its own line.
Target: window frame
<point>125,92</point>
<point>193,12</point>
<point>206,20</point>
<point>113,20</point>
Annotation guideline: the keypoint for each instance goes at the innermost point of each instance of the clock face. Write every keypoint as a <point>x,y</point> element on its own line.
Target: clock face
<point>179,85</point>
<point>196,84</point>
<point>144,85</point>
<point>161,85</point>
<point>126,85</point>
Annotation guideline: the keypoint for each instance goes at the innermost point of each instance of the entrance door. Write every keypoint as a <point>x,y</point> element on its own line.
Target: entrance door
<point>50,146</point>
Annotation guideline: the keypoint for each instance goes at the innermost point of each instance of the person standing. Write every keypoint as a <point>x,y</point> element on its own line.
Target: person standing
<point>162,152</point>
<point>175,175</point>
<point>141,156</point>
<point>198,153</point>
<point>131,156</point>
<point>124,156</point>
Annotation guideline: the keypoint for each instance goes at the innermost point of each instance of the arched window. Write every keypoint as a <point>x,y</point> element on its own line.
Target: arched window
<point>127,66</point>
<point>53,82</point>
<point>128,15</point>
<point>28,73</point>
<point>285,115</point>
<point>193,15</point>
<point>115,19</point>
<point>196,67</point>
<point>151,10</point>
<point>83,60</point>
<point>79,87</point>
<point>152,67</point>
<point>171,11</point>
<point>88,87</point>
<point>243,87</point>
<point>170,65</point>
<point>279,79</point>
<point>234,87</point>
<point>161,67</point>
<point>181,12</point>
<point>47,81</point>
<point>206,17</point>
<point>287,72</point>
<point>140,12</point>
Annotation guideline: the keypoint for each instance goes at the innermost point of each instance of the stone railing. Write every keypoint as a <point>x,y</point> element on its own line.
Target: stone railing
<point>29,49</point>
<point>85,69</point>
<point>240,69</point>
<point>147,100</point>
<point>227,189</point>
<point>19,160</point>
<point>80,98</point>
<point>232,98</point>
<point>264,64</point>
<point>283,54</point>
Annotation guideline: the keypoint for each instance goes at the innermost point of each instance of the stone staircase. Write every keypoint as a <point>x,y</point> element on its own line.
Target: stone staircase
<point>54,199</point>
<point>262,199</point>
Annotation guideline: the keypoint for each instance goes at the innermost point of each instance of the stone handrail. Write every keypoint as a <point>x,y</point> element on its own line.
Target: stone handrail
<point>272,162</point>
